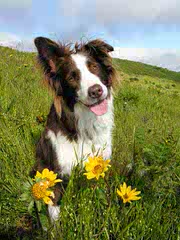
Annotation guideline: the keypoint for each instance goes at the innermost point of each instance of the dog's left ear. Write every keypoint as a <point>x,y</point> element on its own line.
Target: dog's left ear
<point>48,52</point>
<point>49,55</point>
<point>98,48</point>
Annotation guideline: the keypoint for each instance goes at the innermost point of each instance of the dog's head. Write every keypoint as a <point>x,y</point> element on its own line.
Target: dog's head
<point>83,74</point>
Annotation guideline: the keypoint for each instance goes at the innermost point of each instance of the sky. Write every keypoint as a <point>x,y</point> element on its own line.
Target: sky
<point>134,27</point>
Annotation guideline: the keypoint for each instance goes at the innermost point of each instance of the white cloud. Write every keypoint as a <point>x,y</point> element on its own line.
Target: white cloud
<point>9,39</point>
<point>138,11</point>
<point>128,11</point>
<point>5,36</point>
<point>166,58</point>
<point>15,42</point>
<point>123,19</point>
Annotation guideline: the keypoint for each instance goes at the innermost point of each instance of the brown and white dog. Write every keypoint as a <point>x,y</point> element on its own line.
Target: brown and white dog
<point>82,112</point>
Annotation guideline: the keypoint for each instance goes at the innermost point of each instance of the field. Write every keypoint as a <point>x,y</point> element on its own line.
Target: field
<point>146,155</point>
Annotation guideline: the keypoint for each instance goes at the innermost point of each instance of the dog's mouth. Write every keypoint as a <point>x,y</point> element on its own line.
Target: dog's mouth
<point>99,108</point>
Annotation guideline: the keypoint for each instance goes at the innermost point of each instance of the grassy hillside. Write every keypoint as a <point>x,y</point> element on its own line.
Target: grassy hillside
<point>141,69</point>
<point>146,154</point>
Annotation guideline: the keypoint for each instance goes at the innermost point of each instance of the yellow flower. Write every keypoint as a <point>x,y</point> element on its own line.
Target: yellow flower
<point>50,176</point>
<point>127,194</point>
<point>96,167</point>
<point>39,191</point>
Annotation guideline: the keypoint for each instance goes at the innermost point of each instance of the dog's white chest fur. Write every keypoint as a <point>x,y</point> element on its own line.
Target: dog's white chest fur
<point>93,131</point>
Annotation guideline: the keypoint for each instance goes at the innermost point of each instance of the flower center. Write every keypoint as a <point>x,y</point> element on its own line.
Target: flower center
<point>126,196</point>
<point>39,189</point>
<point>97,169</point>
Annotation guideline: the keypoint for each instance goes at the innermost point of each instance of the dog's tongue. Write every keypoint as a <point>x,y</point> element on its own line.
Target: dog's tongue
<point>99,109</point>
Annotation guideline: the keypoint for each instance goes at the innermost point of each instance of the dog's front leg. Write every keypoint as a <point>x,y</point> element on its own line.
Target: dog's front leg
<point>59,189</point>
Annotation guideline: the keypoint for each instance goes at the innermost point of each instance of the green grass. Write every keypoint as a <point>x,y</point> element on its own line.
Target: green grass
<point>146,154</point>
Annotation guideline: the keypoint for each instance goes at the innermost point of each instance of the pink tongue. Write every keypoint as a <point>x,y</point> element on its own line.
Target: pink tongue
<point>100,109</point>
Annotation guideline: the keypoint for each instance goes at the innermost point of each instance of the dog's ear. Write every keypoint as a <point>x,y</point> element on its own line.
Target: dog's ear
<point>48,52</point>
<point>98,48</point>
<point>100,51</point>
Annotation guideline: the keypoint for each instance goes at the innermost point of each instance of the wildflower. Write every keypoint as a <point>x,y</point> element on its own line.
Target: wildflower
<point>127,194</point>
<point>49,176</point>
<point>25,65</point>
<point>39,191</point>
<point>11,55</point>
<point>96,167</point>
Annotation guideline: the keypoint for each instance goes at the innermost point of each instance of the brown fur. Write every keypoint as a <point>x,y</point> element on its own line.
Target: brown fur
<point>58,105</point>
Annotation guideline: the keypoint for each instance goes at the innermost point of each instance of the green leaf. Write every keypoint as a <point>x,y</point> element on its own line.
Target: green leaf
<point>24,196</point>
<point>101,196</point>
<point>39,205</point>
<point>30,207</point>
<point>39,179</point>
<point>93,148</point>
<point>44,220</point>
<point>30,181</point>
<point>27,186</point>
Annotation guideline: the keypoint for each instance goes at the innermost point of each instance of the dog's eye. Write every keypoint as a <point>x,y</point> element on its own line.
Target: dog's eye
<point>70,79</point>
<point>94,67</point>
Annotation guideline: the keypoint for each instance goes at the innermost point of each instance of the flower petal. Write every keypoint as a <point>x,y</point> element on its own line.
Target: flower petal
<point>138,192</point>
<point>45,172</point>
<point>135,198</point>
<point>38,175</point>
<point>119,193</point>
<point>48,193</point>
<point>128,190</point>
<point>123,188</point>
<point>57,180</point>
<point>48,201</point>
<point>103,174</point>
<point>52,195</point>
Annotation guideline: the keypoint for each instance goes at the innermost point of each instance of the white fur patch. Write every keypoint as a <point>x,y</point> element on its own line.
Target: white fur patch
<point>65,151</point>
<point>88,79</point>
<point>93,131</point>
<point>53,212</point>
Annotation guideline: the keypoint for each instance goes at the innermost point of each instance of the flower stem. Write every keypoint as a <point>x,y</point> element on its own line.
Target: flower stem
<point>108,191</point>
<point>39,225</point>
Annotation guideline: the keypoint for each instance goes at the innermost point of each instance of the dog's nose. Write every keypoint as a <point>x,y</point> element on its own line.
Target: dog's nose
<point>95,91</point>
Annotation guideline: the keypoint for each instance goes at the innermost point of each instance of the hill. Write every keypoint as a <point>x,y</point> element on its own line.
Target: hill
<point>146,155</point>
<point>137,68</point>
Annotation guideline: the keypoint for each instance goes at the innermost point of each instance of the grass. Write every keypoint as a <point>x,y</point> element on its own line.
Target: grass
<point>146,154</point>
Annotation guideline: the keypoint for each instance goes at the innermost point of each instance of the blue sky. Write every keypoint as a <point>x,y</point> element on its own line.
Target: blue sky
<point>123,23</point>
<point>140,30</point>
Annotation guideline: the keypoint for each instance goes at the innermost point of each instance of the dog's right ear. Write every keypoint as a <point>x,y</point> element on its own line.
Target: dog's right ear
<point>48,52</point>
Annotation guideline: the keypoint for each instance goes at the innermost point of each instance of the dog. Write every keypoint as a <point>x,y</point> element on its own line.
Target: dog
<point>81,115</point>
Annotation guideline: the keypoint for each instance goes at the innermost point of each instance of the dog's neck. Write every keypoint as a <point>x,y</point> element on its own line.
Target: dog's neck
<point>80,122</point>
